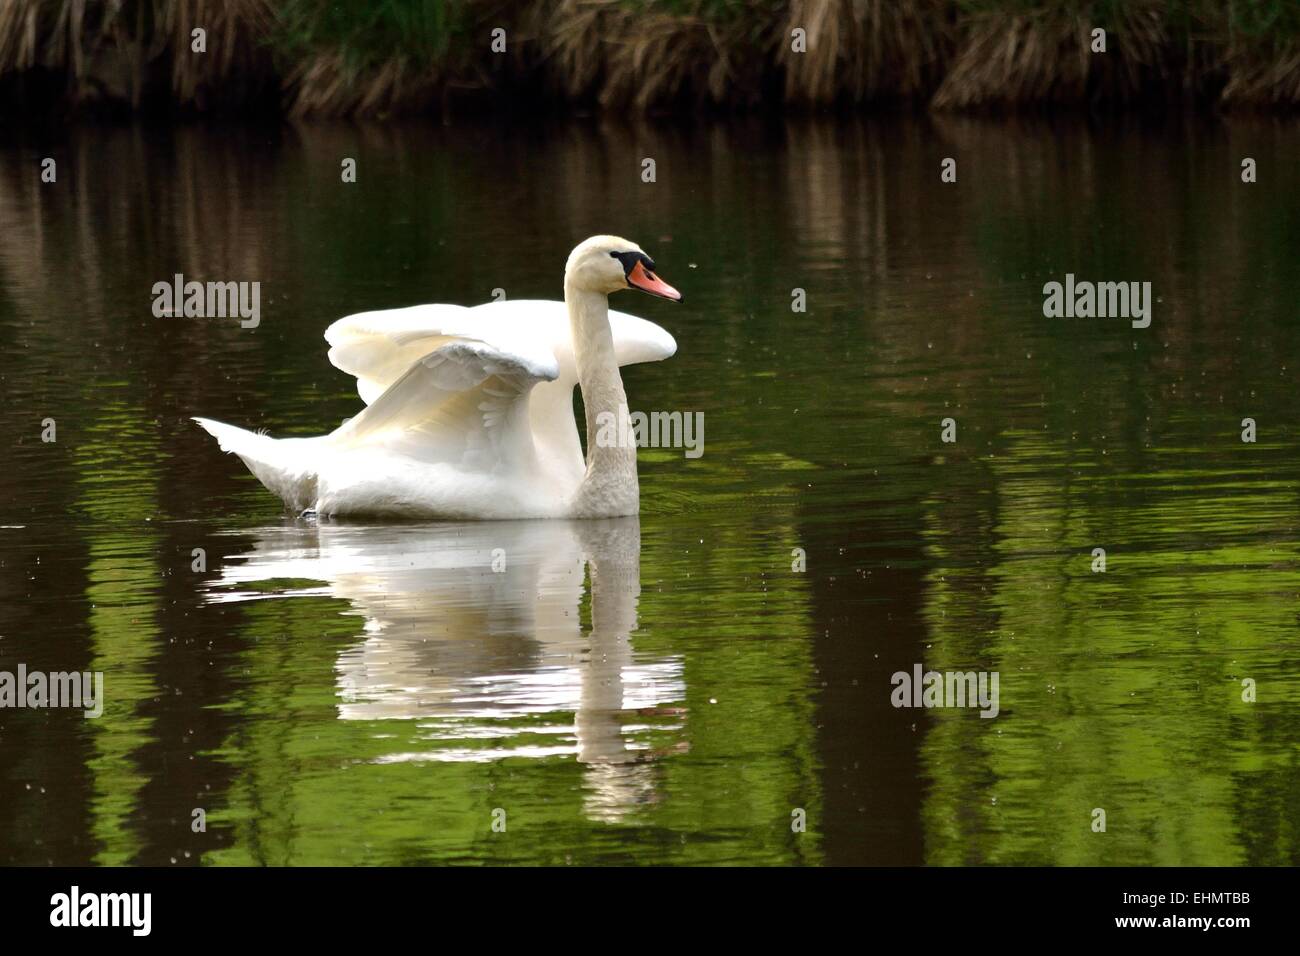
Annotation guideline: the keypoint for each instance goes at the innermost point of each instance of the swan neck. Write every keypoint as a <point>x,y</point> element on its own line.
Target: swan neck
<point>610,485</point>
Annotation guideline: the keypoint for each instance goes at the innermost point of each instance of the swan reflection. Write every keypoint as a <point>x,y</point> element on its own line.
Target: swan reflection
<point>474,631</point>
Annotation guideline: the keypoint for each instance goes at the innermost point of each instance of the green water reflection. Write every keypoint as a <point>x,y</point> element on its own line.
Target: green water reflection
<point>668,689</point>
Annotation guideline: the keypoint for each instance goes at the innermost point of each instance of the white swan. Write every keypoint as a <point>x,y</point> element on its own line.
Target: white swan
<point>470,410</point>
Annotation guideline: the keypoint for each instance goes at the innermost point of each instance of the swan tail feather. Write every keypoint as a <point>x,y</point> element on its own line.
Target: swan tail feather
<point>278,463</point>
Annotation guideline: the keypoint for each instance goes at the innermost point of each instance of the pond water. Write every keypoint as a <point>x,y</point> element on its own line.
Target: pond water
<point>668,689</point>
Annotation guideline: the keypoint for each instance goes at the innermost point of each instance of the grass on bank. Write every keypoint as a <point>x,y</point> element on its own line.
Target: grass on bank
<point>332,58</point>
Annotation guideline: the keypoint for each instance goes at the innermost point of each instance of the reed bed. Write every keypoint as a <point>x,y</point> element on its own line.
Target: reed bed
<point>317,57</point>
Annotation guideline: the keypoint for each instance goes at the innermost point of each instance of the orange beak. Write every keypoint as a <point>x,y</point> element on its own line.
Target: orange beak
<point>639,278</point>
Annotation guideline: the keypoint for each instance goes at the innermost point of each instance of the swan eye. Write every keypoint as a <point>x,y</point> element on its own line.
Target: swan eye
<point>630,259</point>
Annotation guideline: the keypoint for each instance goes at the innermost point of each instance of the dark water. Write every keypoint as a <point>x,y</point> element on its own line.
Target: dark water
<point>668,689</point>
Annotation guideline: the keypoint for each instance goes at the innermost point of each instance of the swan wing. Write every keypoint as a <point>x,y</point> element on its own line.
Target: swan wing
<point>378,347</point>
<point>464,403</point>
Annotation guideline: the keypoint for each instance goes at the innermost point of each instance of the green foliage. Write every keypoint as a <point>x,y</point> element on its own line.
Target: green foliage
<point>370,34</point>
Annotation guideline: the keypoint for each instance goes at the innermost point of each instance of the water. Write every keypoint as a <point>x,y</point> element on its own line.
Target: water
<point>667,689</point>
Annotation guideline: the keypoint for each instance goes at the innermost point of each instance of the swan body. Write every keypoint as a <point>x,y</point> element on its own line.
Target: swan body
<point>469,410</point>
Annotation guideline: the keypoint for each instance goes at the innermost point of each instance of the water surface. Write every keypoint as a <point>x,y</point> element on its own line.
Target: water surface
<point>667,689</point>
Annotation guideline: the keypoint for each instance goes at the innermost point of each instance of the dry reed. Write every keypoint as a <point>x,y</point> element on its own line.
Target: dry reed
<point>321,59</point>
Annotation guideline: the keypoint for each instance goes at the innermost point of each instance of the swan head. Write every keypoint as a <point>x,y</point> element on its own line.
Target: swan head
<point>607,264</point>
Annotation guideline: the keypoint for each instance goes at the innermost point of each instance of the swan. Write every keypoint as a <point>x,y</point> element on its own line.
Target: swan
<point>469,411</point>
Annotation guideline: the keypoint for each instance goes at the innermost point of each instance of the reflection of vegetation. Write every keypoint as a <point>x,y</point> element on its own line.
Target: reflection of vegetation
<point>1118,690</point>
<point>117,461</point>
<point>748,666</point>
<point>373,58</point>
